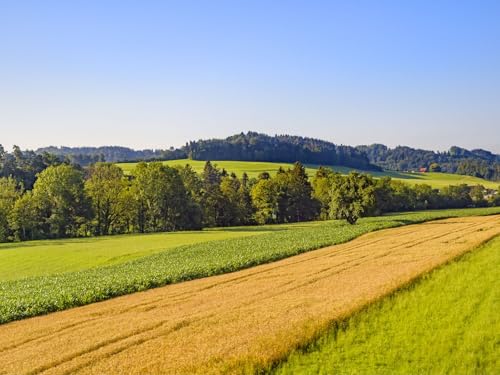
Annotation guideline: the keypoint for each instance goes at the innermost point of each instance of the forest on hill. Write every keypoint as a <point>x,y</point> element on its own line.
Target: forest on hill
<point>280,148</point>
<point>477,162</point>
<point>243,147</point>
<point>253,146</point>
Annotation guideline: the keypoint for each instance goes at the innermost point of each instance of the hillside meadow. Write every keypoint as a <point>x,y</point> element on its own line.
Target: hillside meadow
<point>48,292</point>
<point>244,321</point>
<point>253,169</point>
<point>447,323</point>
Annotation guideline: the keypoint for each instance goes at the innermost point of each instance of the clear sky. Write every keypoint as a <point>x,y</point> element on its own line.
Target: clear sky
<point>154,74</point>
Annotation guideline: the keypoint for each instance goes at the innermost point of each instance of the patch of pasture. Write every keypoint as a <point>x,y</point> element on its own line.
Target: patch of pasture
<point>253,169</point>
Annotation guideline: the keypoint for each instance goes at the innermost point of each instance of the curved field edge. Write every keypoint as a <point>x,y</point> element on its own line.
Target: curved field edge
<point>453,308</point>
<point>253,169</point>
<point>41,295</point>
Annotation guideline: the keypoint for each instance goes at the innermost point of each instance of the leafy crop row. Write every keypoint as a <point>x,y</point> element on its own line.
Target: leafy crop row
<point>40,295</point>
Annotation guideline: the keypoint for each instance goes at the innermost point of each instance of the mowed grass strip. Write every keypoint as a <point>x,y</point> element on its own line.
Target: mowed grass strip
<point>253,169</point>
<point>238,322</point>
<point>447,323</point>
<point>44,294</point>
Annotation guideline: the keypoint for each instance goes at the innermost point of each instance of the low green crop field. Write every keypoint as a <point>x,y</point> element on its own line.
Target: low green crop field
<point>31,296</point>
<point>447,323</point>
<point>21,260</point>
<point>40,258</point>
<point>253,169</point>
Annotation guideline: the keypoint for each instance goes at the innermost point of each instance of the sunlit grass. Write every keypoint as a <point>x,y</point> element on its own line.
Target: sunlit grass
<point>448,323</point>
<point>37,258</point>
<point>241,322</point>
<point>42,294</point>
<point>253,169</point>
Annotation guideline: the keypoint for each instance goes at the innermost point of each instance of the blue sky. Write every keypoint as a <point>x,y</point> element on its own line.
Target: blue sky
<point>152,74</point>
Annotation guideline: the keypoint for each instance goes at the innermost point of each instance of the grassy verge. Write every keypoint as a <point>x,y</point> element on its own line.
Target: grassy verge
<point>447,323</point>
<point>40,295</point>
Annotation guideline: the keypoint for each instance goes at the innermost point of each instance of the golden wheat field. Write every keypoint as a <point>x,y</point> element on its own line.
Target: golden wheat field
<point>236,322</point>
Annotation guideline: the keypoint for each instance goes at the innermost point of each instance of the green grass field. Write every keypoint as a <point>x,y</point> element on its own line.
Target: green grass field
<point>45,257</point>
<point>253,169</point>
<point>37,295</point>
<point>447,323</point>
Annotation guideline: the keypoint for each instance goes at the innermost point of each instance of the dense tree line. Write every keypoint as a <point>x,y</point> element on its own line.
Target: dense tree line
<point>280,148</point>
<point>23,166</point>
<point>478,163</point>
<point>349,197</point>
<point>89,155</point>
<point>245,147</point>
<point>285,148</point>
<point>479,168</point>
<point>68,201</point>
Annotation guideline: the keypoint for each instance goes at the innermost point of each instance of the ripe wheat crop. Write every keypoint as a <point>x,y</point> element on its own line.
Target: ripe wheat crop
<point>40,295</point>
<point>447,323</point>
<point>239,322</point>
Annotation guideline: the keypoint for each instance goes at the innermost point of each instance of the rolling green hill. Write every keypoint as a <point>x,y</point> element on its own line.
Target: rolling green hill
<point>253,169</point>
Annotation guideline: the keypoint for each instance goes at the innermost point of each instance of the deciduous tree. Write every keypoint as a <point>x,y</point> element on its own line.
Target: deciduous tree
<point>351,196</point>
<point>9,193</point>
<point>59,197</point>
<point>105,187</point>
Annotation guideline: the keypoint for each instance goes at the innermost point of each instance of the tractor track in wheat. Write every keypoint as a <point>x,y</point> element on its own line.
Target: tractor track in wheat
<point>237,321</point>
